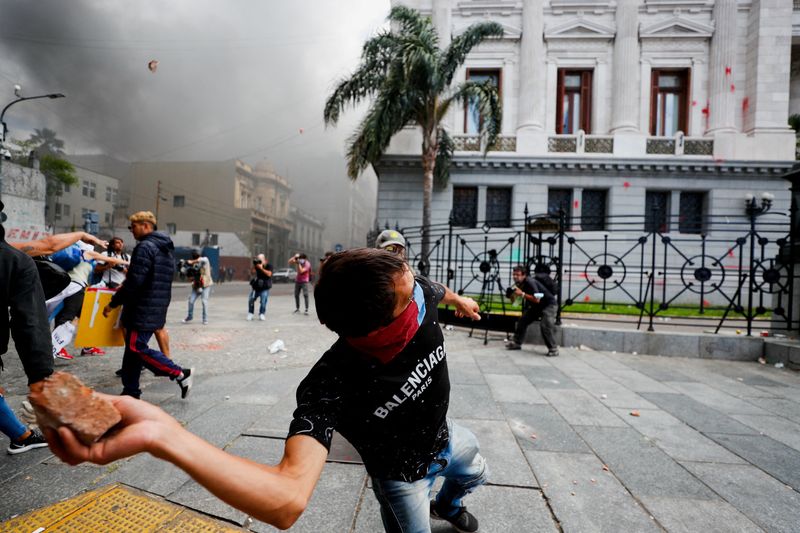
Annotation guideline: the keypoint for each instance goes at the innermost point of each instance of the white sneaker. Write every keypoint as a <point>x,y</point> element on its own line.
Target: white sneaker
<point>262,317</point>
<point>249,316</point>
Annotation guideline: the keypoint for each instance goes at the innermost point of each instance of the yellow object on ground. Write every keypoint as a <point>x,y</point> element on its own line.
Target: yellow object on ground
<point>94,329</point>
<point>114,508</point>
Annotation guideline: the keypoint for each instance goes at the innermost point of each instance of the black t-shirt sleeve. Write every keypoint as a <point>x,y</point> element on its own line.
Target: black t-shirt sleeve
<point>317,410</point>
<point>437,290</point>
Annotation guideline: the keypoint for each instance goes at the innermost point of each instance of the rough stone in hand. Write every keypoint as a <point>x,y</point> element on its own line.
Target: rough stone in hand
<point>65,401</point>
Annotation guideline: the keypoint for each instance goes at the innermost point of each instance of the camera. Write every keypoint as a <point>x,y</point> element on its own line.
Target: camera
<point>509,292</point>
<point>190,271</point>
<point>256,261</point>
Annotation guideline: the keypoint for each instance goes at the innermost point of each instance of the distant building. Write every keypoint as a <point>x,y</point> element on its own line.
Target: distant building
<point>306,235</point>
<point>94,193</point>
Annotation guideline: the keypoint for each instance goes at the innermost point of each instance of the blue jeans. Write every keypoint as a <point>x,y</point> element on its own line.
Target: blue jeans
<point>9,423</point>
<point>193,296</point>
<point>264,295</point>
<point>405,507</point>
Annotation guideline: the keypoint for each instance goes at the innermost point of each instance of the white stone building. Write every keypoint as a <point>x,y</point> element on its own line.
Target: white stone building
<point>613,108</point>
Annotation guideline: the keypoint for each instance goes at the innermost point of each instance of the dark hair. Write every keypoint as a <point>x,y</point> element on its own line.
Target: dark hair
<point>303,256</point>
<point>112,239</point>
<point>520,268</point>
<point>355,291</point>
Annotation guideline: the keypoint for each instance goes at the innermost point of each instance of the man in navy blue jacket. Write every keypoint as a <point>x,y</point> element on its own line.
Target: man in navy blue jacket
<point>145,295</point>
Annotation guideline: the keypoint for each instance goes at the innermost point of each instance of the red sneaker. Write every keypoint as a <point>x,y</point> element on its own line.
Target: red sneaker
<point>63,354</point>
<point>92,351</point>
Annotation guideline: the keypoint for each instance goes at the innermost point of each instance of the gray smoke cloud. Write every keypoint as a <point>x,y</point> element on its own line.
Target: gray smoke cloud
<point>236,79</point>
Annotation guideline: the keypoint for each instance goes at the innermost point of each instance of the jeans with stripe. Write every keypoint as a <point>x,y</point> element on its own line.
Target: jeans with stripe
<point>405,506</point>
<point>137,356</point>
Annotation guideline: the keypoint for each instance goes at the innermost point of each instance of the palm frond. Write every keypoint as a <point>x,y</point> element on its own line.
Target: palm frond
<point>377,55</point>
<point>460,46</point>
<point>410,21</point>
<point>485,96</point>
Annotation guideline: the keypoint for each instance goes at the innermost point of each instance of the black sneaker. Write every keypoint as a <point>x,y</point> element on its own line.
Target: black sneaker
<point>462,521</point>
<point>185,383</point>
<point>34,440</point>
<point>513,346</point>
<point>552,353</point>
<point>296,311</point>
<point>118,373</point>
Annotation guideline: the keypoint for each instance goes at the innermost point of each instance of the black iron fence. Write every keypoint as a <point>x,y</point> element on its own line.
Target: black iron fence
<point>721,271</point>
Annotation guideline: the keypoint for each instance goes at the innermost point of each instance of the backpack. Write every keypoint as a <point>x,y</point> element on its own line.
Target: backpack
<point>68,258</point>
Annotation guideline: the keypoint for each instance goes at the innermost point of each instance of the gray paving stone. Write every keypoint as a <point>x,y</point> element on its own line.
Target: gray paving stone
<point>719,400</point>
<point>496,364</point>
<point>637,382</point>
<point>612,394</point>
<point>507,464</point>
<point>777,428</point>
<point>579,408</point>
<point>274,421</point>
<point>506,509</point>
<point>771,456</point>
<point>602,360</point>
<point>676,439</point>
<point>547,377</point>
<point>224,422</point>
<point>658,371</point>
<point>697,415</point>
<point>465,373</point>
<point>513,388</point>
<point>552,432</point>
<point>780,406</point>
<point>760,497</point>
<point>147,473</point>
<point>601,506</point>
<point>473,401</point>
<point>683,515</point>
<point>526,357</point>
<point>45,484</point>
<point>15,465</point>
<point>643,468</point>
<point>573,367</point>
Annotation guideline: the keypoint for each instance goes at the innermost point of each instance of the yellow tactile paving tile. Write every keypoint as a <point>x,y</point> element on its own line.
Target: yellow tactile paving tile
<point>114,509</point>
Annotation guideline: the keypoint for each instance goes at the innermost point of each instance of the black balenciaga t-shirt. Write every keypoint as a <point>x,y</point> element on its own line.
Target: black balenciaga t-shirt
<point>393,414</point>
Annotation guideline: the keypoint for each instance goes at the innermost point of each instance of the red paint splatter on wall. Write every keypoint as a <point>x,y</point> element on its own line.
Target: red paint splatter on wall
<point>733,88</point>
<point>731,254</point>
<point>626,184</point>
<point>694,103</point>
<point>586,299</point>
<point>727,71</point>
<point>706,303</point>
<point>746,104</point>
<point>576,204</point>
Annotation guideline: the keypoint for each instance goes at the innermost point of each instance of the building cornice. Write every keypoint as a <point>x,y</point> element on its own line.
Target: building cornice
<point>561,165</point>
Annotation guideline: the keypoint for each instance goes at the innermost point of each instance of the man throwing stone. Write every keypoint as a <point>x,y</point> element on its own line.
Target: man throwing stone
<point>383,385</point>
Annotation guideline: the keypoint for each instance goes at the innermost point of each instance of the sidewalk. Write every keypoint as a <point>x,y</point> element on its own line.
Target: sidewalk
<point>588,441</point>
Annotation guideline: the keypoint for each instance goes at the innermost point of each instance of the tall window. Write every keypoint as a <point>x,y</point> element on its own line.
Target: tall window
<point>108,194</point>
<point>656,211</point>
<point>58,211</point>
<point>472,119</point>
<point>574,104</point>
<point>593,210</point>
<point>498,207</point>
<point>465,206</point>
<point>195,239</point>
<point>85,188</point>
<point>669,98</point>
<point>66,210</point>
<point>172,228</point>
<point>92,189</point>
<point>692,209</point>
<point>178,201</point>
<point>558,199</point>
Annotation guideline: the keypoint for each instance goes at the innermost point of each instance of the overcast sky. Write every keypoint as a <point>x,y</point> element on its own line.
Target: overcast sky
<point>235,79</point>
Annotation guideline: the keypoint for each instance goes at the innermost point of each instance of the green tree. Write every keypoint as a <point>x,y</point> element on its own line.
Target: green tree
<point>57,171</point>
<point>409,78</point>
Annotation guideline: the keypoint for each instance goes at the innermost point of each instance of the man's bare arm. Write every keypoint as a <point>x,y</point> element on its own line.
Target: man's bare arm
<point>464,306</point>
<point>53,243</point>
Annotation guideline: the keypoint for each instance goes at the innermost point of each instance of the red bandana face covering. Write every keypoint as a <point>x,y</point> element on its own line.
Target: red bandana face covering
<point>386,342</point>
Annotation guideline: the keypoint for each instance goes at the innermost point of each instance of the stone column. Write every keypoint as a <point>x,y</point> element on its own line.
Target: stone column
<point>442,19</point>
<point>721,90</point>
<point>626,68</point>
<point>532,69</point>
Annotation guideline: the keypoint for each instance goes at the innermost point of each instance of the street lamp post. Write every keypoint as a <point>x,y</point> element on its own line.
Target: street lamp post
<point>51,96</point>
<point>754,209</point>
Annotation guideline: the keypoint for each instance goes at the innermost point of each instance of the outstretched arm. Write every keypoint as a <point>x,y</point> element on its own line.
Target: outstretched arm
<point>275,494</point>
<point>464,305</point>
<point>53,243</point>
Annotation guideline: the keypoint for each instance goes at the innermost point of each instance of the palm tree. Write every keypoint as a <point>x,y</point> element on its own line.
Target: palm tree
<point>47,142</point>
<point>410,78</point>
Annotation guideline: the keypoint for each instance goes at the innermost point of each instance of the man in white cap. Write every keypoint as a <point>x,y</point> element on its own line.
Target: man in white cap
<point>392,241</point>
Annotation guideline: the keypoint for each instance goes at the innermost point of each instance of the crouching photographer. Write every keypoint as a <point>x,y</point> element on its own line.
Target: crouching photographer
<point>198,271</point>
<point>539,303</point>
<point>260,284</point>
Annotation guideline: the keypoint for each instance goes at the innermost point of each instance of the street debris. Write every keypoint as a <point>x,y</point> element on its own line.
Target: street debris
<point>533,436</point>
<point>635,413</point>
<point>605,468</point>
<point>762,361</point>
<point>277,346</point>
<point>593,480</point>
<point>585,348</point>
<point>604,396</point>
<point>634,353</point>
<point>778,365</point>
<point>152,65</point>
